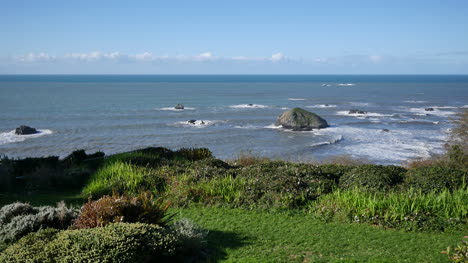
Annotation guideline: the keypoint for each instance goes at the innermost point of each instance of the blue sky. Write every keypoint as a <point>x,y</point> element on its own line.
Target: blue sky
<point>234,37</point>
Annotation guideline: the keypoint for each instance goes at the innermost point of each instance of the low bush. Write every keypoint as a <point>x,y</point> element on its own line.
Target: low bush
<point>248,158</point>
<point>19,219</point>
<point>221,190</point>
<point>458,254</point>
<point>77,157</point>
<point>282,184</point>
<point>115,209</point>
<point>120,242</point>
<point>193,154</point>
<point>191,239</point>
<point>373,177</point>
<point>435,178</point>
<point>410,210</point>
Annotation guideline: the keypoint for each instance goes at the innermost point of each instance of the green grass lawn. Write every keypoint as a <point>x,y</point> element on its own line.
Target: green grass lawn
<point>259,236</point>
<point>237,235</point>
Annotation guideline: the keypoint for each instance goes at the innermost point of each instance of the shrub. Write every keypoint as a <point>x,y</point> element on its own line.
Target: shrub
<point>335,171</point>
<point>185,189</point>
<point>120,242</point>
<point>459,254</point>
<point>373,177</point>
<point>283,184</point>
<point>193,154</point>
<point>19,219</point>
<point>7,179</point>
<point>79,156</point>
<point>435,178</point>
<point>247,159</point>
<point>190,237</point>
<point>114,209</point>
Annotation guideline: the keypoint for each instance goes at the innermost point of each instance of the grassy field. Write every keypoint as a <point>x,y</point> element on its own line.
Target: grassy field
<point>260,236</point>
<point>240,235</point>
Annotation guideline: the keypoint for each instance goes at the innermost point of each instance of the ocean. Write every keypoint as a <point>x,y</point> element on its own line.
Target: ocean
<point>233,113</point>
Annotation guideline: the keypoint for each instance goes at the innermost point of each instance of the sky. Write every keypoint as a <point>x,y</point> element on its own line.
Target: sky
<point>234,37</point>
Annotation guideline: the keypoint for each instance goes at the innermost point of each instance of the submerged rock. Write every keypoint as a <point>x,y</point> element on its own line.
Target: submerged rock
<point>179,107</point>
<point>355,111</point>
<point>25,130</point>
<point>298,119</point>
<point>385,130</point>
<point>429,109</point>
<point>194,122</point>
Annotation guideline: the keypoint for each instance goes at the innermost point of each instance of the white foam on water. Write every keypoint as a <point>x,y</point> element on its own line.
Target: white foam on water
<point>326,85</point>
<point>248,106</point>
<point>396,145</point>
<point>273,126</point>
<point>11,137</point>
<point>322,106</point>
<point>435,112</point>
<point>174,109</point>
<point>346,84</point>
<point>197,123</point>
<point>293,99</point>
<point>419,122</point>
<point>364,115</point>
<point>284,108</point>
<point>248,127</point>
<point>334,140</point>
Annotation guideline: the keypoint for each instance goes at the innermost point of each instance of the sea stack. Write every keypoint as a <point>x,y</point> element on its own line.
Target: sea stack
<point>179,107</point>
<point>25,130</point>
<point>298,119</point>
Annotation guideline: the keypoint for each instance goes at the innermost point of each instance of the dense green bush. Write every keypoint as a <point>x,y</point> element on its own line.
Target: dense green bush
<point>120,242</point>
<point>282,184</point>
<point>373,177</point>
<point>19,219</point>
<point>114,209</point>
<point>77,157</point>
<point>435,178</point>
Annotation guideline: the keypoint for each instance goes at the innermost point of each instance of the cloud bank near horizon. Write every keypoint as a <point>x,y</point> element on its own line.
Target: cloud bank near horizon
<point>210,63</point>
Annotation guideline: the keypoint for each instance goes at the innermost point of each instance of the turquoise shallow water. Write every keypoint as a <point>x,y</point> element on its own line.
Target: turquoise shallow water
<point>120,113</point>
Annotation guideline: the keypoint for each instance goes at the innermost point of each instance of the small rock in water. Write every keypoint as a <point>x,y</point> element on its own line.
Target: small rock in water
<point>179,107</point>
<point>429,109</point>
<point>192,121</point>
<point>355,111</point>
<point>385,130</point>
<point>326,105</point>
<point>250,104</point>
<point>25,130</point>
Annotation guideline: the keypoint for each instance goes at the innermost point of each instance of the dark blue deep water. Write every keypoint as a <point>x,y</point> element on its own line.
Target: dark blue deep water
<point>115,113</point>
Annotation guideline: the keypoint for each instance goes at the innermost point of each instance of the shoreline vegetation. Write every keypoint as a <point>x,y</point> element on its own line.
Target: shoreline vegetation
<point>187,206</point>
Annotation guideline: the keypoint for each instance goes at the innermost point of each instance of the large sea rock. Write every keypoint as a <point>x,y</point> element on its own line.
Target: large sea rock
<point>25,130</point>
<point>298,119</point>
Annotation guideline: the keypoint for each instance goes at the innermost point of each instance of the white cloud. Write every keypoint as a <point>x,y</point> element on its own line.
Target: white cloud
<point>277,57</point>
<point>97,56</point>
<point>33,57</point>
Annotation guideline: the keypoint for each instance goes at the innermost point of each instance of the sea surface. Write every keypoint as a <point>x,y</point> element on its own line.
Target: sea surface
<point>234,113</point>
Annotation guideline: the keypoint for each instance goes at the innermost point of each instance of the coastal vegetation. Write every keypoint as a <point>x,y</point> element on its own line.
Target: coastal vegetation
<point>133,207</point>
